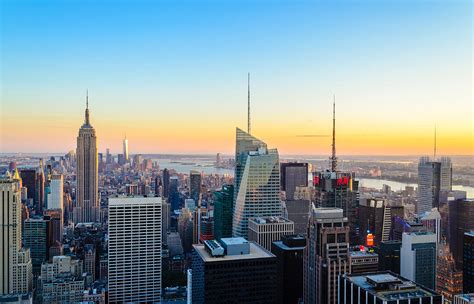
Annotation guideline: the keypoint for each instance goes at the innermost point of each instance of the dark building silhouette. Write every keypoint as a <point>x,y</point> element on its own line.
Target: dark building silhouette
<point>293,175</point>
<point>37,235</point>
<point>468,263</point>
<point>389,256</point>
<point>298,213</point>
<point>233,271</point>
<point>166,182</point>
<point>461,220</point>
<point>289,252</point>
<point>223,212</point>
<point>195,186</point>
<point>174,198</point>
<point>28,178</point>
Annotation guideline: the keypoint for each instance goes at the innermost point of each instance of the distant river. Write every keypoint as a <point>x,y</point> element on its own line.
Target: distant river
<point>186,165</point>
<point>378,184</point>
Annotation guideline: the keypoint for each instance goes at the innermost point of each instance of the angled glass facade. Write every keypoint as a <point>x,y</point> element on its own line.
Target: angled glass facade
<point>257,182</point>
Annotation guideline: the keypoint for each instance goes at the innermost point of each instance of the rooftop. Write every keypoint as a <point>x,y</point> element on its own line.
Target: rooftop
<point>388,286</point>
<point>256,252</point>
<point>270,220</point>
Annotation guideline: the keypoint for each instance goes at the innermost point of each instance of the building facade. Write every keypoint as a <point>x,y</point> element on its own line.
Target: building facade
<point>265,230</point>
<point>223,212</point>
<point>293,175</point>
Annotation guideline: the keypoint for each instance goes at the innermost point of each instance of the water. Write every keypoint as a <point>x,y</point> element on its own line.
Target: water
<point>185,165</point>
<point>378,184</point>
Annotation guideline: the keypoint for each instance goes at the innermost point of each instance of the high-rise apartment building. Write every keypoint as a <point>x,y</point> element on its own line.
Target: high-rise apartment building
<point>326,255</point>
<point>383,287</point>
<point>418,258</point>
<point>15,261</point>
<point>293,175</point>
<point>87,172</point>
<point>265,230</point>
<point>256,182</point>
<point>468,262</point>
<point>223,212</point>
<point>134,249</point>
<point>233,271</point>
<point>289,252</point>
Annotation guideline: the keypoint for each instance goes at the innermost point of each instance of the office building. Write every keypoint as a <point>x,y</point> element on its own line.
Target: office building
<point>461,220</point>
<point>293,175</point>
<point>166,209</point>
<point>256,182</point>
<point>195,186</point>
<point>56,195</point>
<point>433,177</point>
<point>15,261</point>
<point>298,212</point>
<point>376,216</point>
<point>448,278</point>
<point>39,189</point>
<point>166,182</point>
<point>173,193</point>
<point>363,261</point>
<point>431,220</point>
<point>89,259</point>
<point>38,237</point>
<point>87,191</point>
<point>383,287</point>
<point>61,281</point>
<point>326,255</point>
<point>125,150</point>
<point>468,262</point>
<point>389,256</point>
<point>223,212</point>
<point>233,271</point>
<point>464,299</point>
<point>28,177</point>
<point>289,252</point>
<point>56,219</point>
<point>265,230</point>
<point>134,249</point>
<point>418,258</point>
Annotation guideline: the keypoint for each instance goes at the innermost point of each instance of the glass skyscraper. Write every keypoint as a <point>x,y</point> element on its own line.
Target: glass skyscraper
<point>257,182</point>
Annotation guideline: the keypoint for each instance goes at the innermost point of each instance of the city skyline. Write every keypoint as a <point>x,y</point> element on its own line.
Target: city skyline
<point>166,75</point>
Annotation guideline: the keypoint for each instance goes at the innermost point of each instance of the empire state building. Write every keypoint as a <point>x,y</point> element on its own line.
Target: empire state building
<point>87,172</point>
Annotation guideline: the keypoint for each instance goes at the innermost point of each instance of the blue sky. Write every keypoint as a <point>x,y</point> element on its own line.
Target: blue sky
<point>173,65</point>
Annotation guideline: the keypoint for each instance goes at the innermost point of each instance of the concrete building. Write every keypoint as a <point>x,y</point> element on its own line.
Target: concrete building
<point>418,258</point>
<point>289,252</point>
<point>266,230</point>
<point>326,255</point>
<point>293,175</point>
<point>363,261</point>
<point>383,287</point>
<point>134,249</point>
<point>256,182</point>
<point>233,271</point>
<point>87,172</point>
<point>55,197</point>
<point>15,261</point>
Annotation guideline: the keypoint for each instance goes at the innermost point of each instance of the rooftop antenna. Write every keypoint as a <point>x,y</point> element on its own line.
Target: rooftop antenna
<point>333,157</point>
<point>87,107</point>
<point>248,106</point>
<point>434,154</point>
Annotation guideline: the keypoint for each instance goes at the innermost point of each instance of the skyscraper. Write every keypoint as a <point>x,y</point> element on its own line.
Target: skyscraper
<point>433,177</point>
<point>468,263</point>
<point>125,149</point>
<point>257,182</point>
<point>134,262</point>
<point>166,182</point>
<point>293,175</point>
<point>55,199</point>
<point>39,191</point>
<point>195,186</point>
<point>448,278</point>
<point>28,177</point>
<point>87,171</point>
<point>265,230</point>
<point>418,258</point>
<point>15,262</point>
<point>461,220</point>
<point>223,212</point>
<point>326,255</point>
<point>38,237</point>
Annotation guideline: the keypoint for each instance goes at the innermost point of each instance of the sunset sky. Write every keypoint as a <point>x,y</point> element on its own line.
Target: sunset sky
<point>172,75</point>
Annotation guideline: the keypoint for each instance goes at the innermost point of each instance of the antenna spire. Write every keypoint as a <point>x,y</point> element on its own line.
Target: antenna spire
<point>434,154</point>
<point>333,157</point>
<point>248,106</point>
<point>87,108</point>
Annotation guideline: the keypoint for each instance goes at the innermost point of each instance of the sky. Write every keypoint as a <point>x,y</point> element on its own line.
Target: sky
<point>172,75</point>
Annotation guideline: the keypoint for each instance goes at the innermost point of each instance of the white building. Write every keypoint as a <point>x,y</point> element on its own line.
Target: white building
<point>55,198</point>
<point>15,262</point>
<point>134,260</point>
<point>418,258</point>
<point>265,230</point>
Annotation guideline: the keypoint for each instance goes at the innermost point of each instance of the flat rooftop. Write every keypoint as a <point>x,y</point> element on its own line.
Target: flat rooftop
<point>256,252</point>
<point>363,254</point>
<point>234,241</point>
<point>388,286</point>
<point>269,220</point>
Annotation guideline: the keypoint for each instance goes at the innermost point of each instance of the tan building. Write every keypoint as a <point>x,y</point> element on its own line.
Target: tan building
<point>265,230</point>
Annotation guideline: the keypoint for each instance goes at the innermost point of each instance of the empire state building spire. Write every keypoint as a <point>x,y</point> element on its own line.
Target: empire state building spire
<point>86,122</point>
